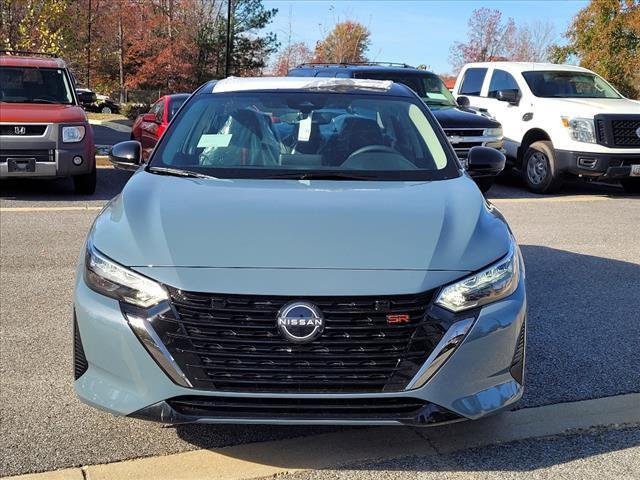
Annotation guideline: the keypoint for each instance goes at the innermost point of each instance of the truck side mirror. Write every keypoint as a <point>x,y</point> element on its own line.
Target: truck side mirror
<point>464,102</point>
<point>510,96</point>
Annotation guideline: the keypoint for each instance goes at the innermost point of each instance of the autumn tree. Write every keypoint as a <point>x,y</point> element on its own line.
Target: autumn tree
<point>348,42</point>
<point>33,25</point>
<point>489,38</point>
<point>605,37</point>
<point>532,42</point>
<point>290,57</point>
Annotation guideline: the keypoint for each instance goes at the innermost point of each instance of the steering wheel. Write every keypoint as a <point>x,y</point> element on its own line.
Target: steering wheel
<point>374,148</point>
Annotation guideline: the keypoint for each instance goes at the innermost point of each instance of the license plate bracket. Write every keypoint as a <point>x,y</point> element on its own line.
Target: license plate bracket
<point>21,164</point>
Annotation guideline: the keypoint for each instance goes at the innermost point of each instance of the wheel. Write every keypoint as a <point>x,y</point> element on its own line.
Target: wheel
<point>631,185</point>
<point>105,109</point>
<point>539,168</point>
<point>85,184</point>
<point>484,184</point>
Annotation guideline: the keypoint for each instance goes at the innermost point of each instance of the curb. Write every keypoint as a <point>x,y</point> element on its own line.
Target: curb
<point>265,459</point>
<point>118,127</point>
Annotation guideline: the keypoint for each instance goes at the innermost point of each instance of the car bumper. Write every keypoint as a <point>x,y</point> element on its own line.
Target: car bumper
<point>597,165</point>
<point>478,379</point>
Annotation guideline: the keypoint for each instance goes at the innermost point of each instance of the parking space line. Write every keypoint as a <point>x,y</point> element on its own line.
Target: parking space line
<point>88,208</point>
<point>264,459</point>
<point>567,199</point>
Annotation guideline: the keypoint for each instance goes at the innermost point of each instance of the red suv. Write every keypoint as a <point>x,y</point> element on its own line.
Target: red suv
<point>44,133</point>
<point>148,128</point>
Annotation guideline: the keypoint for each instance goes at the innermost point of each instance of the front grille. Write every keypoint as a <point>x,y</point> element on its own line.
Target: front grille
<point>624,133</point>
<point>39,155</point>
<point>464,132</point>
<point>231,343</point>
<point>618,131</point>
<point>517,364</point>
<point>80,364</point>
<point>17,130</point>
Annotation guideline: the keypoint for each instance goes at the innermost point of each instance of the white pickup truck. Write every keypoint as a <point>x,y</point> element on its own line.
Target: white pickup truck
<point>558,120</point>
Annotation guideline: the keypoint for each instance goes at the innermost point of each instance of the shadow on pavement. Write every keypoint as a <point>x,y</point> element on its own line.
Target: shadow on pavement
<point>110,183</point>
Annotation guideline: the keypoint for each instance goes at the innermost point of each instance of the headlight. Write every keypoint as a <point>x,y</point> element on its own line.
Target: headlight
<point>492,132</point>
<point>580,129</point>
<point>72,134</point>
<point>494,283</point>
<point>113,280</point>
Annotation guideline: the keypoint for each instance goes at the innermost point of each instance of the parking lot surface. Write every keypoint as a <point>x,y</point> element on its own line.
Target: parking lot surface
<point>583,267</point>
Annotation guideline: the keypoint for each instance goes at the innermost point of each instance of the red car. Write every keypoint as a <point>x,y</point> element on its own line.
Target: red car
<point>148,128</point>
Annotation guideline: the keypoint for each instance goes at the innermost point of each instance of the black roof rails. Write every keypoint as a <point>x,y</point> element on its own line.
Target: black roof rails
<point>347,64</point>
<point>26,53</point>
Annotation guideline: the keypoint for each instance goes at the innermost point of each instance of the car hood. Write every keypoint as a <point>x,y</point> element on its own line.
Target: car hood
<point>453,117</point>
<point>164,221</point>
<point>588,107</point>
<point>41,113</point>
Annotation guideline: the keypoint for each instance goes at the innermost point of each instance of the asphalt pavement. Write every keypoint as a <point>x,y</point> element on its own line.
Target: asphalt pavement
<point>583,274</point>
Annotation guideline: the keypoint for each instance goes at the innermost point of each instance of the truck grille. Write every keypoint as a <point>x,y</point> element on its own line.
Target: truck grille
<point>39,155</point>
<point>231,343</point>
<point>22,130</point>
<point>618,130</point>
<point>460,140</point>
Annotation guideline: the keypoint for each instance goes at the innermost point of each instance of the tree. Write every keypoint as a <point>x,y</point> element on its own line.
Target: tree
<point>346,43</point>
<point>532,42</point>
<point>33,25</point>
<point>290,57</point>
<point>488,39</point>
<point>605,37</point>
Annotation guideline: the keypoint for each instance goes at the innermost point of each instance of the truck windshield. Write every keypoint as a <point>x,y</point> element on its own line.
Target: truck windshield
<point>306,134</point>
<point>566,84</point>
<point>34,85</point>
<point>428,86</point>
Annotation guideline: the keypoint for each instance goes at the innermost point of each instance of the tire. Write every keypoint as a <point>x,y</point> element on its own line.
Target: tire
<point>85,184</point>
<point>539,168</point>
<point>484,184</point>
<point>631,185</point>
<point>105,109</point>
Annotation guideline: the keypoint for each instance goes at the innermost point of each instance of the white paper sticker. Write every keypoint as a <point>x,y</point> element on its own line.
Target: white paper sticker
<point>304,129</point>
<point>214,140</point>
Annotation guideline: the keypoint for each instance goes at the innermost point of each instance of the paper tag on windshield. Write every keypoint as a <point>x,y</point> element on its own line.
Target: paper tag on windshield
<point>214,140</point>
<point>304,129</point>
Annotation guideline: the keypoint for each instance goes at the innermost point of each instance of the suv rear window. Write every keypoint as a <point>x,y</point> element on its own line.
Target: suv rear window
<point>472,81</point>
<point>35,85</point>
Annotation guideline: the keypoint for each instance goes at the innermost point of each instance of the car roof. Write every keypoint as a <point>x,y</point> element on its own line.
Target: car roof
<point>527,66</point>
<point>342,85</point>
<point>31,61</point>
<point>341,67</point>
<point>178,95</point>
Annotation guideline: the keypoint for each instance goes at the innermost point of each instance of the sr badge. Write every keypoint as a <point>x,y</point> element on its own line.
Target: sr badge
<point>300,322</point>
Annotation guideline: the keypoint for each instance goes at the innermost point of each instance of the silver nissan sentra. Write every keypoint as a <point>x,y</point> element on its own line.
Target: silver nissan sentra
<point>301,251</point>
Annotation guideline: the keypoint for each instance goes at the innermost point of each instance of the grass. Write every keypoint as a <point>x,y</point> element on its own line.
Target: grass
<point>105,116</point>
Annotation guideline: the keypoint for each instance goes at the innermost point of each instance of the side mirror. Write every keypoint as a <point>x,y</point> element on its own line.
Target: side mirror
<point>126,155</point>
<point>485,162</point>
<point>510,96</point>
<point>149,117</point>
<point>464,102</point>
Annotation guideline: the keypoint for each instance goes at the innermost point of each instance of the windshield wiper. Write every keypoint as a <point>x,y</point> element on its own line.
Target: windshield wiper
<point>319,176</point>
<point>176,172</point>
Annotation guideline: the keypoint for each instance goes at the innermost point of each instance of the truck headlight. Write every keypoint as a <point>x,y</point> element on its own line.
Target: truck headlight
<point>73,134</point>
<point>108,278</point>
<point>580,129</point>
<point>491,284</point>
<point>492,132</point>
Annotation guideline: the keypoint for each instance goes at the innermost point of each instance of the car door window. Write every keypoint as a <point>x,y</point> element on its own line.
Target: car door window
<point>502,81</point>
<point>472,81</point>
<point>159,110</point>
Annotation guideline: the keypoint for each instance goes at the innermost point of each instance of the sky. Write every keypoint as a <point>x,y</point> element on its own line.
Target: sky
<point>410,31</point>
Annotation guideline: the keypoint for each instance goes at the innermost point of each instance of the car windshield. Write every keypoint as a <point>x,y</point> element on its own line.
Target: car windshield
<point>174,105</point>
<point>281,134</point>
<point>565,84</point>
<point>428,86</point>
<point>34,85</point>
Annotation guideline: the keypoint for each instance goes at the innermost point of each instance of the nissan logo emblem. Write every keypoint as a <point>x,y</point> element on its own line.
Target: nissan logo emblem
<point>20,130</point>
<point>300,322</point>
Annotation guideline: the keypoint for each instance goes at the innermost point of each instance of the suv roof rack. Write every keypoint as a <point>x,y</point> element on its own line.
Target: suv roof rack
<point>348,64</point>
<point>26,53</point>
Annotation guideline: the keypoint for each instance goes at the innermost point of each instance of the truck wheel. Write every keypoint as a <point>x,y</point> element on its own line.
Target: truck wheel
<point>85,184</point>
<point>106,109</point>
<point>539,168</point>
<point>631,185</point>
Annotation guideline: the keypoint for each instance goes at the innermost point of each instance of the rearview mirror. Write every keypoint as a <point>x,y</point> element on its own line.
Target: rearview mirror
<point>464,102</point>
<point>485,162</point>
<point>510,96</point>
<point>126,155</point>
